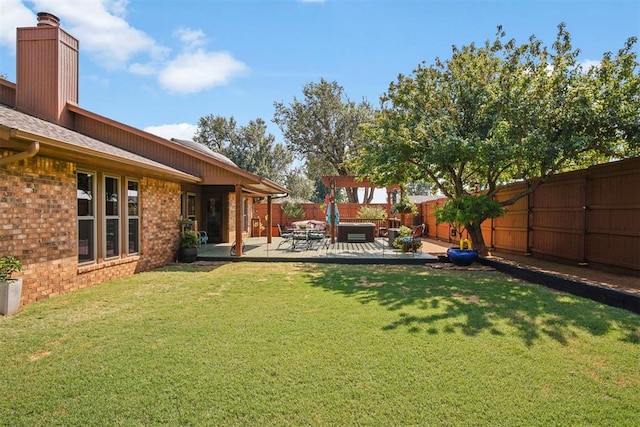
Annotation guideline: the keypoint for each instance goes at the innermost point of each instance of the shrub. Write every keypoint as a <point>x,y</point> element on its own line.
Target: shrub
<point>189,239</point>
<point>9,265</point>
<point>371,212</point>
<point>404,206</point>
<point>293,210</point>
<point>407,246</point>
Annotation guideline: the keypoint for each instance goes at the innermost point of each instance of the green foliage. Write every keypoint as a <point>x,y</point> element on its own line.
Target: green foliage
<point>9,265</point>
<point>404,205</point>
<point>371,212</point>
<point>189,239</point>
<point>468,210</point>
<point>500,112</point>
<point>249,147</point>
<point>419,188</point>
<point>299,186</point>
<point>323,128</point>
<point>410,246</point>
<point>293,210</point>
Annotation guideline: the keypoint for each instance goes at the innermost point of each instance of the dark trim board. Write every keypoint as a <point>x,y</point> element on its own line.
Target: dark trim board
<point>322,260</point>
<point>593,291</point>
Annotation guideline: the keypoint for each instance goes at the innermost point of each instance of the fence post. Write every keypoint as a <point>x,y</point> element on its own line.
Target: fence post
<point>585,225</point>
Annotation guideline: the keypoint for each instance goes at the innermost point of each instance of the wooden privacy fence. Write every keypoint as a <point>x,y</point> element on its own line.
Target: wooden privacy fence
<point>590,216</point>
<point>348,213</point>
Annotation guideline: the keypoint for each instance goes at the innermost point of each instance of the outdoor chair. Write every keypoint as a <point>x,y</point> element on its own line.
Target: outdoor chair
<point>415,238</point>
<point>287,236</point>
<point>203,237</point>
<point>317,237</point>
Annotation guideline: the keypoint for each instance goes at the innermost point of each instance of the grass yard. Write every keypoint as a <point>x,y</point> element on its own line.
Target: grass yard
<point>307,344</point>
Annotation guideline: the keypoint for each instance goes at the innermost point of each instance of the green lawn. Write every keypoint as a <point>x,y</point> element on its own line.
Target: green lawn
<point>293,344</point>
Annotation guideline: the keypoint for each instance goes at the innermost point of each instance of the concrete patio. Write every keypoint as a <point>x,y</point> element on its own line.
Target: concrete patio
<point>376,252</point>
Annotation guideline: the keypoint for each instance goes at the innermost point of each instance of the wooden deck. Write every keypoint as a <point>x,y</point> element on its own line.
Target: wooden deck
<point>376,252</point>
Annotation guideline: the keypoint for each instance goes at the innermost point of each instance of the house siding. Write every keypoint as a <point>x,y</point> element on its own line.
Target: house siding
<point>38,217</point>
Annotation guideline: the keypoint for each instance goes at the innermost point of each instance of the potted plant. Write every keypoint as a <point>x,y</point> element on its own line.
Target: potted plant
<point>404,240</point>
<point>189,242</point>
<point>10,289</point>
<point>456,213</point>
<point>404,207</point>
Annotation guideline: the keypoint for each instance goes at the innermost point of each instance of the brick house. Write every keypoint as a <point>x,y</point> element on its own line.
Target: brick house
<point>85,199</point>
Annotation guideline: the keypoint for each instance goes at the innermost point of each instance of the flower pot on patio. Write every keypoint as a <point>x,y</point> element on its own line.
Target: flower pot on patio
<point>189,246</point>
<point>188,254</point>
<point>462,257</point>
<point>10,294</point>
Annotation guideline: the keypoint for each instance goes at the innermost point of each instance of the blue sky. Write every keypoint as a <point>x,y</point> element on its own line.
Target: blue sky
<point>160,65</point>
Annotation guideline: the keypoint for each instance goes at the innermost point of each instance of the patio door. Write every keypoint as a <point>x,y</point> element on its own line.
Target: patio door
<point>213,213</point>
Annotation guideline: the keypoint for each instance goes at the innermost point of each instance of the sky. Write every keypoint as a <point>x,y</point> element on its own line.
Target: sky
<point>161,65</point>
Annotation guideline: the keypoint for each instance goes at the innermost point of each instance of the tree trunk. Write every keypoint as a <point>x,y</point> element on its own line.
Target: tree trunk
<point>352,195</point>
<point>477,240</point>
<point>368,195</point>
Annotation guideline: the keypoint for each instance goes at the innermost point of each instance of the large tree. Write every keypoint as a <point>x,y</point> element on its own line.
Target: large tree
<point>502,112</point>
<point>250,147</point>
<point>323,128</point>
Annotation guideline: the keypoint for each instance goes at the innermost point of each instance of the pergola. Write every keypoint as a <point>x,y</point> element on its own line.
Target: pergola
<point>349,181</point>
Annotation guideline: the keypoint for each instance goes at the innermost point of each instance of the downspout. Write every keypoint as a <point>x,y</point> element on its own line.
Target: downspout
<point>32,151</point>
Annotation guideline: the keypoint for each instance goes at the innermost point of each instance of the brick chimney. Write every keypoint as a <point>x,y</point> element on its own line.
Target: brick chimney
<point>46,70</point>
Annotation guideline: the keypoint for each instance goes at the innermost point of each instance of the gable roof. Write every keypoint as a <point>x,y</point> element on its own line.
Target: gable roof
<point>202,156</point>
<point>57,139</point>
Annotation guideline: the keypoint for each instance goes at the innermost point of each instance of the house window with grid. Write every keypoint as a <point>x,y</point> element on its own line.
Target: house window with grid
<point>86,217</point>
<point>133,217</point>
<point>111,217</point>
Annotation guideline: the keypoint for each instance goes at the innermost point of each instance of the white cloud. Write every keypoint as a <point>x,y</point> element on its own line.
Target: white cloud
<point>193,72</point>
<point>148,69</point>
<point>192,39</point>
<point>197,69</point>
<point>179,131</point>
<point>14,14</point>
<point>105,34</point>
<point>588,64</point>
<point>98,24</point>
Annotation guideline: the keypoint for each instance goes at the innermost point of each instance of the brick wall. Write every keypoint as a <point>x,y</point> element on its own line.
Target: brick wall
<point>37,207</point>
<point>160,223</point>
<point>38,226</point>
<point>232,219</point>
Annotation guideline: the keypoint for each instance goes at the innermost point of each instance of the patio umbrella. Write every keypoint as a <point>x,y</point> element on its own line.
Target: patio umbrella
<point>336,214</point>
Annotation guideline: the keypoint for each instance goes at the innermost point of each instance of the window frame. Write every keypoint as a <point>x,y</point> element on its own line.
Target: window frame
<point>188,215</point>
<point>130,217</point>
<point>92,245</point>
<point>106,218</point>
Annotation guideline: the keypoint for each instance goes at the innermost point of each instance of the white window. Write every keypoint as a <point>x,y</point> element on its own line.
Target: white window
<point>111,217</point>
<point>86,217</point>
<point>133,217</point>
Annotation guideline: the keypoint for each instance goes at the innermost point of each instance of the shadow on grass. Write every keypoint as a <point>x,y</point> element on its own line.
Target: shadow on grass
<point>474,302</point>
<point>198,266</point>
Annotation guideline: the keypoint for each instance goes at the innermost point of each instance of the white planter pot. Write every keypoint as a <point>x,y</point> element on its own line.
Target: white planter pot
<point>10,294</point>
